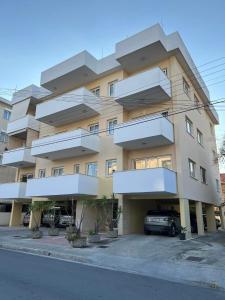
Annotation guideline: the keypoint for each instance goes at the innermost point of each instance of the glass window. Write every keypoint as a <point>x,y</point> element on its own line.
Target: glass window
<point>111,124</point>
<point>96,91</point>
<point>164,71</point>
<point>192,167</point>
<point>41,173</point>
<point>203,174</point>
<point>217,185</point>
<point>57,171</point>
<point>197,103</point>
<point>111,88</point>
<point>111,166</point>
<point>92,169</point>
<point>186,87</point>
<point>140,164</point>
<point>199,137</point>
<point>94,128</point>
<point>6,114</point>
<point>152,162</point>
<point>24,177</point>
<point>189,126</point>
<point>76,168</point>
<point>165,162</point>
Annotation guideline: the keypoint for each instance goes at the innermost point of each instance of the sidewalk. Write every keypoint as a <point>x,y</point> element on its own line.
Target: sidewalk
<point>198,261</point>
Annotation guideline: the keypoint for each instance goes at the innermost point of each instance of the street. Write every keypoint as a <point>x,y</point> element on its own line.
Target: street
<point>24,276</point>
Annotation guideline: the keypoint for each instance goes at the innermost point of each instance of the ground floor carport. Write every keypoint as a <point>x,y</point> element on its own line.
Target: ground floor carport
<point>134,210</point>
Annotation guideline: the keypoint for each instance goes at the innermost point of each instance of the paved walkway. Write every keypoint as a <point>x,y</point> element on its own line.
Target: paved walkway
<point>200,260</point>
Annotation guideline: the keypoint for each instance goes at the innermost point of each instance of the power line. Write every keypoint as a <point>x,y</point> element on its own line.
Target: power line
<point>123,125</point>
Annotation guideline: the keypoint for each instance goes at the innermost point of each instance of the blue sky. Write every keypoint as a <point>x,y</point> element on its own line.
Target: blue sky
<point>36,34</point>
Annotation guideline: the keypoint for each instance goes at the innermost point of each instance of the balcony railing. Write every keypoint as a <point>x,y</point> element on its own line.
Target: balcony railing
<point>19,126</point>
<point>147,132</point>
<point>20,157</point>
<point>13,190</point>
<point>65,185</point>
<point>69,144</point>
<point>157,181</point>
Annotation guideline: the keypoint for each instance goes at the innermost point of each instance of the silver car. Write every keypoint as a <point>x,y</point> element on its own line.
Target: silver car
<point>163,221</point>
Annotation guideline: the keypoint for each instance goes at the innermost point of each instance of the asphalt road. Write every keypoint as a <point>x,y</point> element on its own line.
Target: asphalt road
<point>24,276</point>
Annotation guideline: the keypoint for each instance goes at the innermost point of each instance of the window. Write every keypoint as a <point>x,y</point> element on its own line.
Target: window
<point>24,177</point>
<point>57,171</point>
<point>153,162</point>
<point>197,103</point>
<point>199,137</point>
<point>217,185</point>
<point>41,173</point>
<point>111,88</point>
<point>164,71</point>
<point>189,126</point>
<point>111,166</point>
<point>111,124</point>
<point>203,175</point>
<point>3,137</point>
<point>76,168</point>
<point>92,169</point>
<point>192,167</point>
<point>6,114</point>
<point>186,87</point>
<point>211,128</point>
<point>94,128</point>
<point>96,91</point>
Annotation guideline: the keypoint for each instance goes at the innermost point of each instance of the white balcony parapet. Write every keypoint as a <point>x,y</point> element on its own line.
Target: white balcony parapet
<point>20,157</point>
<point>70,107</point>
<point>146,181</point>
<point>21,125</point>
<point>65,185</point>
<point>64,145</point>
<point>143,89</point>
<point>13,190</point>
<point>152,131</point>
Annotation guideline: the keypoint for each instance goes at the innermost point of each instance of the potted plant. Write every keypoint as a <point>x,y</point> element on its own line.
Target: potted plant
<point>37,208</point>
<point>111,217</point>
<point>53,219</point>
<point>73,232</point>
<point>182,233</point>
<point>93,236</point>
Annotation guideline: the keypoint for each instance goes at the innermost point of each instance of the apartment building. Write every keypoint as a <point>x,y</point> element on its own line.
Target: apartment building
<point>136,124</point>
<point>7,174</point>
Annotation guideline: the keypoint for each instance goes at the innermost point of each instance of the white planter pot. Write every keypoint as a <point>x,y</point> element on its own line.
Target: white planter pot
<point>94,238</point>
<point>112,233</point>
<point>79,242</point>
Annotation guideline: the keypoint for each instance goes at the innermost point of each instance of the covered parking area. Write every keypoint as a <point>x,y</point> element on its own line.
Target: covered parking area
<point>194,215</point>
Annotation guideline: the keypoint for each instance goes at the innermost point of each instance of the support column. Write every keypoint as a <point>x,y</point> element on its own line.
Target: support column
<point>16,214</point>
<point>222,216</point>
<point>210,218</point>
<point>121,219</point>
<point>199,217</point>
<point>185,216</point>
<point>35,217</point>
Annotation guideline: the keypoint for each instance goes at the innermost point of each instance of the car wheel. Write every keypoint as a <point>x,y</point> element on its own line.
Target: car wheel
<point>172,231</point>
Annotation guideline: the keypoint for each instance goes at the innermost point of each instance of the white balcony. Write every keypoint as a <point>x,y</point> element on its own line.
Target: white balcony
<point>70,107</point>
<point>13,190</point>
<point>147,132</point>
<point>143,89</point>
<point>158,181</point>
<point>69,144</point>
<point>19,127</point>
<point>20,157</point>
<point>66,185</point>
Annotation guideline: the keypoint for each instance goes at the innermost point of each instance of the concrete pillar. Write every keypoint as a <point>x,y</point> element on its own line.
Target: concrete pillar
<point>35,217</point>
<point>185,216</point>
<point>210,218</point>
<point>122,215</point>
<point>222,216</point>
<point>16,214</point>
<point>199,217</point>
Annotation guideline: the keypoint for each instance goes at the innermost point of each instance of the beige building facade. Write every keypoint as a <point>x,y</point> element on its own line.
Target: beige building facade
<point>137,125</point>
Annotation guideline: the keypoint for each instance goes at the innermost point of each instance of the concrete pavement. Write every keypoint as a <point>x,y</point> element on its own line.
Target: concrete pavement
<point>200,261</point>
<point>28,277</point>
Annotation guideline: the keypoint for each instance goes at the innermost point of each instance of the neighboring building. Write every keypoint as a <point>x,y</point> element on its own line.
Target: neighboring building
<point>151,155</point>
<point>7,174</point>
